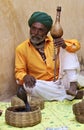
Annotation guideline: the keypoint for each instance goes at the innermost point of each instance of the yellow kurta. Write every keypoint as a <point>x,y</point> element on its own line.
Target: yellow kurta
<point>29,61</point>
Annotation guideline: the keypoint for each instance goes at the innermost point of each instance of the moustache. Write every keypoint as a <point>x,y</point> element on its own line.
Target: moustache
<point>36,37</point>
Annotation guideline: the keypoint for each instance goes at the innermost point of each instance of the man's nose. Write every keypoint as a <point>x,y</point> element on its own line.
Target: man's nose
<point>36,31</point>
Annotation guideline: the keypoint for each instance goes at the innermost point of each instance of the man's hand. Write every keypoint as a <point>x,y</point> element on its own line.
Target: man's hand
<point>29,81</point>
<point>59,42</point>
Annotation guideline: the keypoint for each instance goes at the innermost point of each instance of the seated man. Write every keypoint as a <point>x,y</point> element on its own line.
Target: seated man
<point>34,64</point>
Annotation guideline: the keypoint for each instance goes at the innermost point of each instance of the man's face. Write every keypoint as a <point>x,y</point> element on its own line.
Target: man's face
<point>38,33</point>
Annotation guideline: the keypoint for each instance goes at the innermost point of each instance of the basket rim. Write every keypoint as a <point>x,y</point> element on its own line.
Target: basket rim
<point>34,111</point>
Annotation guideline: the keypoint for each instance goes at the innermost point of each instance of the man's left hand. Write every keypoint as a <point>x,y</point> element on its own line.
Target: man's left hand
<point>59,42</point>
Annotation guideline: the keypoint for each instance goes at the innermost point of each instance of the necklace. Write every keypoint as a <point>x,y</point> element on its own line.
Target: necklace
<point>41,52</point>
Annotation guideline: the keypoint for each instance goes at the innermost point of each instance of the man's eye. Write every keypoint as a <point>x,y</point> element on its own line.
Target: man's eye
<point>32,28</point>
<point>41,30</point>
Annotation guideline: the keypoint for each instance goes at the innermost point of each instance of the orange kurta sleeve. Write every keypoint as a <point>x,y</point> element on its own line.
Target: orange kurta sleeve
<point>20,65</point>
<point>72,45</point>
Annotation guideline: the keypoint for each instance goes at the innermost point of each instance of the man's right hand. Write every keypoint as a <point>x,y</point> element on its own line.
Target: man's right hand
<point>29,81</point>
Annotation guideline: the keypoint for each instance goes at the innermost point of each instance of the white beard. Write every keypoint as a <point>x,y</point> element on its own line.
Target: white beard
<point>36,40</point>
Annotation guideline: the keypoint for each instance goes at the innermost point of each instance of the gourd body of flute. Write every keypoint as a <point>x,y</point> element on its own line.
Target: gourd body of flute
<point>56,30</point>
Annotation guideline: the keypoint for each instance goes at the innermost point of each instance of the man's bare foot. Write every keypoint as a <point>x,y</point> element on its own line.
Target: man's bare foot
<point>73,89</point>
<point>79,94</point>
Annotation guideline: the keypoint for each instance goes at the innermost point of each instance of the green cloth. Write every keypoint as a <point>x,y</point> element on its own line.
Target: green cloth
<point>54,115</point>
<point>41,17</point>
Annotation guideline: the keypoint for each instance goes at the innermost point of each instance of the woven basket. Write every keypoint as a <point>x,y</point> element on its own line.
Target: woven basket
<point>15,101</point>
<point>78,110</point>
<point>0,112</point>
<point>22,119</point>
<point>80,119</point>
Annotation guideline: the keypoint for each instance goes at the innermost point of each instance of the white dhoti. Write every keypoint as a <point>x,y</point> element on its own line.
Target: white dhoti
<point>49,90</point>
